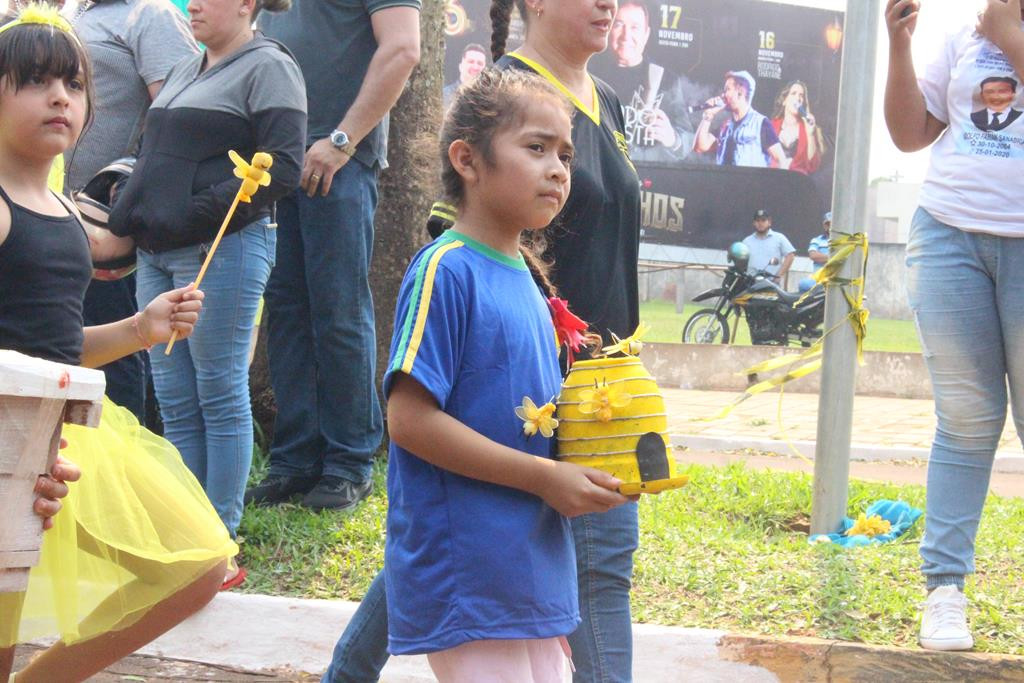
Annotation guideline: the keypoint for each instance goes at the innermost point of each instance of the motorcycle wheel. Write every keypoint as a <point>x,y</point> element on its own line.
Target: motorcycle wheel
<point>706,326</point>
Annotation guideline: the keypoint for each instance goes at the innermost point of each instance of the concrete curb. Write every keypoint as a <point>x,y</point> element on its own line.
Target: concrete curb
<point>1008,463</point>
<point>261,632</point>
<point>264,633</point>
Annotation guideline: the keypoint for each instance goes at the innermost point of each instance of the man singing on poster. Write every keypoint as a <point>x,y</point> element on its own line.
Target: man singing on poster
<point>746,137</point>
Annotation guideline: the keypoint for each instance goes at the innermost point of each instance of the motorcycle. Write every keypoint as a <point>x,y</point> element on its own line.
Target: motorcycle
<point>772,315</point>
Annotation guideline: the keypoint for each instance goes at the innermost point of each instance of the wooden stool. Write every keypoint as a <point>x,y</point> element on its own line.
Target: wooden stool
<point>36,397</point>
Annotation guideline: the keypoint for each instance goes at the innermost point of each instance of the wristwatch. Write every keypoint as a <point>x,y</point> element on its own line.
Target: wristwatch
<point>339,139</point>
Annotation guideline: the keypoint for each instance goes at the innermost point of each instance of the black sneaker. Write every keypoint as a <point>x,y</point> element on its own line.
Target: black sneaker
<point>335,493</point>
<point>278,488</point>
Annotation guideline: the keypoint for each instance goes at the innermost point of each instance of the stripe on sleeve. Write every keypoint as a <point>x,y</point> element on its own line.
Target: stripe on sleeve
<point>416,314</point>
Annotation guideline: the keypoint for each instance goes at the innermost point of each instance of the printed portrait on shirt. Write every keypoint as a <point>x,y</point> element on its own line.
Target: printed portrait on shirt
<point>998,97</point>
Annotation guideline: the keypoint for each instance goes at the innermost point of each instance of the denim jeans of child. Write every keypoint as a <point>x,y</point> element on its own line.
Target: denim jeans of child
<point>602,646</point>
<point>108,302</point>
<point>966,292</point>
<point>203,386</point>
<point>321,339</point>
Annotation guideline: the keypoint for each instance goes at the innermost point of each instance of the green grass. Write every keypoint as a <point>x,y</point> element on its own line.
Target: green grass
<point>724,552</point>
<point>667,326</point>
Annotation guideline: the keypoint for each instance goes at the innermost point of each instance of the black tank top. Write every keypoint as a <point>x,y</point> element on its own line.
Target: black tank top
<point>45,268</point>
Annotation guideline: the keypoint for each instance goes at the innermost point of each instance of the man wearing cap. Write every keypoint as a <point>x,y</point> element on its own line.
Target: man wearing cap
<point>746,137</point>
<point>817,250</point>
<point>770,251</point>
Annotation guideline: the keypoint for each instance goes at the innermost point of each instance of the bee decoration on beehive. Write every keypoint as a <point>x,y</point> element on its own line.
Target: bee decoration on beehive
<point>611,416</point>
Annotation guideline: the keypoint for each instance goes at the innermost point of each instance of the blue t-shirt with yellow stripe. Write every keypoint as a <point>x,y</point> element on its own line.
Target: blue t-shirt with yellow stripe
<point>468,560</point>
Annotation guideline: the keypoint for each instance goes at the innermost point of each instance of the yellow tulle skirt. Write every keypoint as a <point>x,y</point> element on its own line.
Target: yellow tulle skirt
<point>135,529</point>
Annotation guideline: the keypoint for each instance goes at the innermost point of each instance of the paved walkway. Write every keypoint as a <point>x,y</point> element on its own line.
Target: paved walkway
<point>883,428</point>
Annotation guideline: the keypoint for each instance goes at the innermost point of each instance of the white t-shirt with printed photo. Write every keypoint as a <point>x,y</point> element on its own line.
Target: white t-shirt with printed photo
<point>973,180</point>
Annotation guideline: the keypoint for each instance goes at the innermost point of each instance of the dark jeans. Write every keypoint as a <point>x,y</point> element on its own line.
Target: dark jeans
<point>108,302</point>
<point>321,340</point>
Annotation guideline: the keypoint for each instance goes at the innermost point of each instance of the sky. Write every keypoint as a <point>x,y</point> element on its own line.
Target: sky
<point>937,19</point>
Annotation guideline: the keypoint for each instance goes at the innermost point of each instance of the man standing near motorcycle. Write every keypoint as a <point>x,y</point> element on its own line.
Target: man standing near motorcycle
<point>817,250</point>
<point>770,251</point>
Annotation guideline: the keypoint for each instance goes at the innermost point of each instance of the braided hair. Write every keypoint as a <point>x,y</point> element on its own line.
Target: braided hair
<point>501,18</point>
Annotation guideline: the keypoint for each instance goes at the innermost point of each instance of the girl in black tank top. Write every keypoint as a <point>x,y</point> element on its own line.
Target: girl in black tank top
<point>137,547</point>
<point>44,271</point>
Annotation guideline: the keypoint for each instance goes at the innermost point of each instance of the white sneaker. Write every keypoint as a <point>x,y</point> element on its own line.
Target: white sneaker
<point>944,622</point>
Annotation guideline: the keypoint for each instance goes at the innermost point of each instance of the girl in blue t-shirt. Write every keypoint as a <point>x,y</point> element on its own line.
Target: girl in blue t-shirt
<point>479,562</point>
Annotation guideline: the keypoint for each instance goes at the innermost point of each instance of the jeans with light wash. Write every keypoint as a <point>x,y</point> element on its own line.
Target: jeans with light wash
<point>602,645</point>
<point>321,340</point>
<point>203,386</point>
<point>968,302</point>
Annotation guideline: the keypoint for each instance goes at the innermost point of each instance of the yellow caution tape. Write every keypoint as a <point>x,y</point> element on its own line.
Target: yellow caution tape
<point>843,246</point>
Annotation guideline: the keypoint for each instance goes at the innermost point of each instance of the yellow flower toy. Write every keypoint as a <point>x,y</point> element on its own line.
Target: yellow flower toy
<point>870,526</point>
<point>253,176</point>
<point>537,419</point>
<point>602,401</point>
<point>631,345</point>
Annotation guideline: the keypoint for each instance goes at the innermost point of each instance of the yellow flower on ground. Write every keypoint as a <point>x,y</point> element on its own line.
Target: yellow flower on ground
<point>631,345</point>
<point>602,401</point>
<point>869,526</point>
<point>537,419</point>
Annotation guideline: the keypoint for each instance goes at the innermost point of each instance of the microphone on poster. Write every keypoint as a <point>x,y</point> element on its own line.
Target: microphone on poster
<point>704,106</point>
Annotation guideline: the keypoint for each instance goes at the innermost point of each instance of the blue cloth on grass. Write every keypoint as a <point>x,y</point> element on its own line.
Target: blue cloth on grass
<point>900,515</point>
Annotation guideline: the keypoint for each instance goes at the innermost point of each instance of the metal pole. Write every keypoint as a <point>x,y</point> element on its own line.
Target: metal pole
<point>839,362</point>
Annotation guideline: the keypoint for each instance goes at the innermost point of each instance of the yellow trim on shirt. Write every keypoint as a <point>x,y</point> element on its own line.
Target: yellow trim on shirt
<point>593,114</point>
<point>424,306</point>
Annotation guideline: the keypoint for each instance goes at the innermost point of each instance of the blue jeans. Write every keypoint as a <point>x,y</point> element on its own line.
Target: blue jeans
<point>968,303</point>
<point>203,386</point>
<point>108,302</point>
<point>321,340</point>
<point>362,650</point>
<point>602,645</point>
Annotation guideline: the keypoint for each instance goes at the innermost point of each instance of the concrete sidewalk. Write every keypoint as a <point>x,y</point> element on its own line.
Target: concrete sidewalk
<point>255,633</point>
<point>883,428</point>
<point>252,638</point>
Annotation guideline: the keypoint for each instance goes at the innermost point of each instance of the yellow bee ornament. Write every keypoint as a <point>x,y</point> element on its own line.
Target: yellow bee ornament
<point>631,345</point>
<point>253,175</point>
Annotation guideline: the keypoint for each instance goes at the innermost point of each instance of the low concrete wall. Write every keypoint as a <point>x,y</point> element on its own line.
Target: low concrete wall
<point>715,367</point>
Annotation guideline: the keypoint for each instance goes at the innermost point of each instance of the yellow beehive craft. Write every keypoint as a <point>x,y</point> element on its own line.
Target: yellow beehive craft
<point>611,416</point>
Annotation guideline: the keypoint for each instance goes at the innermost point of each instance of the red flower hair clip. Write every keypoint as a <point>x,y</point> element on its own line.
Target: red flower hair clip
<point>570,330</point>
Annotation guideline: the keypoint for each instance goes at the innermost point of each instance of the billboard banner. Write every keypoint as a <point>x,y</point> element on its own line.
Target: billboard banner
<point>730,106</point>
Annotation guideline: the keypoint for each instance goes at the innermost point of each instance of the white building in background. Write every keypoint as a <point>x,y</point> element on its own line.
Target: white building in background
<point>891,206</point>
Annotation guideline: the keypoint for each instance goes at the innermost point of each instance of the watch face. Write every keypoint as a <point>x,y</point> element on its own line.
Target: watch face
<point>339,138</point>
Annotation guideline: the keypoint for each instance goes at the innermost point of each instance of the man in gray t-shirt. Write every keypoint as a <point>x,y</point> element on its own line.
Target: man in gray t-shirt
<point>769,250</point>
<point>133,44</point>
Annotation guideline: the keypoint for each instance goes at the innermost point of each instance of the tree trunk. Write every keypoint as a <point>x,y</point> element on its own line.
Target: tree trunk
<point>405,195</point>
<point>405,199</point>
